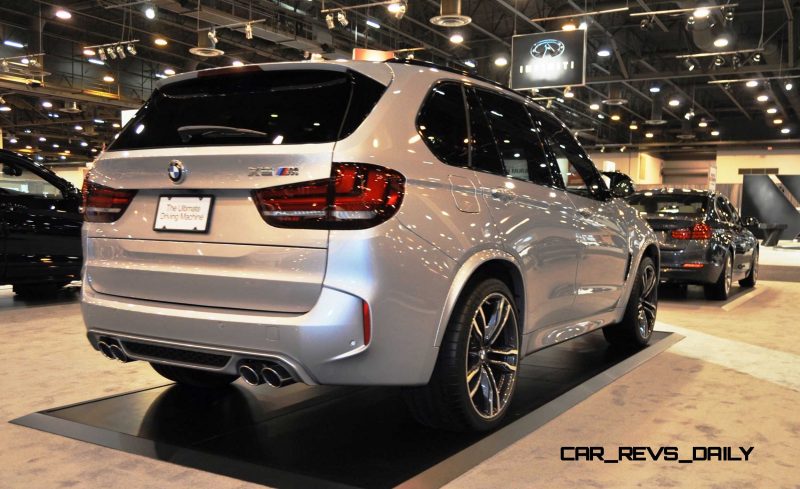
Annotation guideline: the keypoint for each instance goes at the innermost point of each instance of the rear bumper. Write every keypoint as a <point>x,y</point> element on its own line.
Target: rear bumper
<point>674,269</point>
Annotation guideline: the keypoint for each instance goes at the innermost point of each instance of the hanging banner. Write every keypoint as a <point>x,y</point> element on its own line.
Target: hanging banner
<point>548,59</point>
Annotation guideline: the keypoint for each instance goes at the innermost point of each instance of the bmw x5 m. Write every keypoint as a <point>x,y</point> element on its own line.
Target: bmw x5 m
<point>356,223</point>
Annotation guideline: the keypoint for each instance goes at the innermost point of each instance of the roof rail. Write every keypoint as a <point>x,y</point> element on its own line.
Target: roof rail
<point>457,71</point>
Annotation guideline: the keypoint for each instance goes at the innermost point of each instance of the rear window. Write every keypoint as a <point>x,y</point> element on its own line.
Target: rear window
<point>253,107</point>
<point>670,204</point>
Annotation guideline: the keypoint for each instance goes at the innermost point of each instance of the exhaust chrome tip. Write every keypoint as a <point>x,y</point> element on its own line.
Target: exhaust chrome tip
<point>117,353</point>
<point>249,375</point>
<point>276,376</point>
<point>105,349</point>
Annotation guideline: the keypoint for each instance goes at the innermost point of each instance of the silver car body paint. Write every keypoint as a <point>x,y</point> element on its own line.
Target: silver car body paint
<point>248,290</point>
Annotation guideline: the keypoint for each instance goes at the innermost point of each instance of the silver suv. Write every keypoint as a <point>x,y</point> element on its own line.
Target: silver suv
<point>357,223</point>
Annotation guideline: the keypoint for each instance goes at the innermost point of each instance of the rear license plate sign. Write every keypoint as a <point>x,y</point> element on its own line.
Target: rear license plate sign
<point>189,214</point>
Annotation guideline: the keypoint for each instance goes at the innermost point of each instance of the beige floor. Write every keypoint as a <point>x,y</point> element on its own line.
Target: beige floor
<point>708,390</point>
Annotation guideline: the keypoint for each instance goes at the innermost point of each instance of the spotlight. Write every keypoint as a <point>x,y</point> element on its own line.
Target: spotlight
<point>111,53</point>
<point>623,148</point>
<point>762,98</point>
<point>397,9</point>
<point>131,49</point>
<point>569,25</point>
<point>248,31</point>
<point>788,86</point>
<point>602,149</point>
<point>102,53</point>
<point>501,61</point>
<point>690,20</point>
<point>568,93</point>
<point>604,52</point>
<point>594,106</point>
<point>634,126</point>
<point>719,61</point>
<point>212,34</point>
<point>342,18</point>
<point>89,52</point>
<point>752,83</point>
<point>715,133</point>
<point>721,42</point>
<point>655,89</point>
<point>674,102</point>
<point>689,64</point>
<point>757,58</point>
<point>644,24</point>
<point>689,115</point>
<point>702,123</point>
<point>329,21</point>
<point>120,51</point>
<point>728,14</point>
<point>736,62</point>
<point>150,11</point>
<point>456,38</point>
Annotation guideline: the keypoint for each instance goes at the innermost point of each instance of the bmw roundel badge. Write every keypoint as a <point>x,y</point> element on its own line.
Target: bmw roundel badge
<point>176,171</point>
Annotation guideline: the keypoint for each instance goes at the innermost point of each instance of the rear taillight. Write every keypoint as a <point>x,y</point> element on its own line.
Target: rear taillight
<point>698,231</point>
<point>104,204</point>
<point>356,196</point>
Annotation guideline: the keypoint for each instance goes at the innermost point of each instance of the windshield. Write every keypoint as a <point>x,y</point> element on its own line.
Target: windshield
<point>253,107</point>
<point>670,203</point>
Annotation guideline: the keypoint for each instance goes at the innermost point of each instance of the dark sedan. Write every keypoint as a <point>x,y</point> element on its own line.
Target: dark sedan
<point>40,227</point>
<point>702,239</point>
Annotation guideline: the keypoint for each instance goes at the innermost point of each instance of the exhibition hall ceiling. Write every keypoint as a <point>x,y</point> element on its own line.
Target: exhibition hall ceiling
<point>661,75</point>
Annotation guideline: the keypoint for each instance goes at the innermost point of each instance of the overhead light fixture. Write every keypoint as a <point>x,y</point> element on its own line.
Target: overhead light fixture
<point>701,13</point>
<point>772,110</point>
<point>13,44</point>
<point>111,53</point>
<point>47,104</point>
<point>116,125</point>
<point>569,25</point>
<point>237,63</point>
<point>99,121</point>
<point>623,148</point>
<point>149,10</point>
<point>721,42</point>
<point>583,25</point>
<point>329,21</point>
<point>702,123</point>
<point>604,52</point>
<point>160,41</point>
<point>689,115</point>
<point>634,126</point>
<point>456,38</point>
<point>96,61</point>
<point>788,86</point>
<point>13,140</point>
<point>601,116</point>
<point>470,63</point>
<point>5,108</point>
<point>752,83</point>
<point>248,31</point>
<point>602,149</point>
<point>108,79</point>
<point>719,61</point>
<point>207,45</point>
<point>84,144</point>
<point>169,71</point>
<point>398,9</point>
<point>89,52</point>
<point>42,139</point>
<point>777,121</point>
<point>655,89</point>
<point>342,18</point>
<point>120,51</point>
<point>728,16</point>
<point>594,106</point>
<point>102,53</point>
<point>689,64</point>
<point>690,20</point>
<point>615,117</point>
<point>501,61</point>
<point>79,127</point>
<point>63,14</point>
<point>674,102</point>
<point>757,58</point>
<point>212,35</point>
<point>373,24</point>
<point>715,133</point>
<point>785,130</point>
<point>648,135</point>
<point>131,48</point>
<point>568,93</point>
<point>762,98</point>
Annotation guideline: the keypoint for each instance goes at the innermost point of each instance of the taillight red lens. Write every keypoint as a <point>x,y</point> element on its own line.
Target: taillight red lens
<point>698,231</point>
<point>104,204</point>
<point>356,196</point>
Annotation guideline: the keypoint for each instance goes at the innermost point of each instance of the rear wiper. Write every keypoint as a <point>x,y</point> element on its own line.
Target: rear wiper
<point>188,132</point>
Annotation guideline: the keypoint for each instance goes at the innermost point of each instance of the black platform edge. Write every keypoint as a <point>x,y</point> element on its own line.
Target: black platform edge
<point>465,460</point>
<point>433,477</point>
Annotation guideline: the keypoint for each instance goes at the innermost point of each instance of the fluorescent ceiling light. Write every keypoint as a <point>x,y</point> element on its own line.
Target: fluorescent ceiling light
<point>13,44</point>
<point>373,24</point>
<point>63,14</point>
<point>604,52</point>
<point>96,61</point>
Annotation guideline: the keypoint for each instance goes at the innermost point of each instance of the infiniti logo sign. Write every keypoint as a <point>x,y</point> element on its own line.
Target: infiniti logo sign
<point>176,171</point>
<point>547,48</point>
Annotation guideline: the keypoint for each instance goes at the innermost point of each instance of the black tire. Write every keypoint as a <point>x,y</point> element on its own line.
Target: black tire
<point>476,371</point>
<point>721,289</point>
<point>637,324</point>
<point>37,291</point>
<point>752,276</point>
<point>193,377</point>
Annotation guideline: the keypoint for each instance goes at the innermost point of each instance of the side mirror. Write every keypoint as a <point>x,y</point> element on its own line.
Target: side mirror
<point>750,222</point>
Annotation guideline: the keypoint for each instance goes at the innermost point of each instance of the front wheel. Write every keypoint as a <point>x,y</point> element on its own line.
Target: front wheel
<point>193,377</point>
<point>639,320</point>
<point>476,372</point>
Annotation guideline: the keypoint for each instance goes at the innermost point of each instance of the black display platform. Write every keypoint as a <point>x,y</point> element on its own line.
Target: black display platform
<point>301,436</point>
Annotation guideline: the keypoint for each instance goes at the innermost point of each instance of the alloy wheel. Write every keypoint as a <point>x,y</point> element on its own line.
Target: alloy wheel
<point>728,274</point>
<point>755,266</point>
<point>492,355</point>
<point>647,301</point>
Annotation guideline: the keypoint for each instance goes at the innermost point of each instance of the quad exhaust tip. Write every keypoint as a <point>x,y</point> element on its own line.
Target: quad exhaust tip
<point>105,349</point>
<point>118,354</point>
<point>249,375</point>
<point>276,376</point>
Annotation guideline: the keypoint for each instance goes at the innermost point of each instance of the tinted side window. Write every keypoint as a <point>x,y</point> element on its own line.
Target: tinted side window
<point>520,148</point>
<point>484,155</point>
<point>578,174</point>
<point>442,123</point>
<point>723,210</point>
<point>16,180</point>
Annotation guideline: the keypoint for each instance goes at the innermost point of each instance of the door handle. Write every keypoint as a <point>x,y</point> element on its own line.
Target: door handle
<point>500,193</point>
<point>585,212</point>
